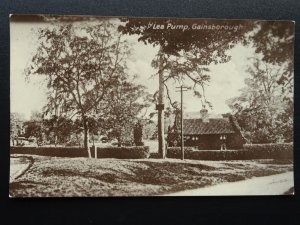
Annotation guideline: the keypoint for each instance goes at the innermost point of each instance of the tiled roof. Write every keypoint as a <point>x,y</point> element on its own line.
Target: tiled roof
<point>213,126</point>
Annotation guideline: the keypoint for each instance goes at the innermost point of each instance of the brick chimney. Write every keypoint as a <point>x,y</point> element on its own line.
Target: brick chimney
<point>204,115</point>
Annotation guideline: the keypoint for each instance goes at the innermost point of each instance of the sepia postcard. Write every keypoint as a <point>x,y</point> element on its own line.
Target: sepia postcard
<point>133,106</point>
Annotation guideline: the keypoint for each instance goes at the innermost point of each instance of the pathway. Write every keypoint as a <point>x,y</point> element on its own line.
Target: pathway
<point>17,166</point>
<point>268,185</point>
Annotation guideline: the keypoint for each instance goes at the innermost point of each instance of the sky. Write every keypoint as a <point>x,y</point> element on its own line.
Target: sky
<point>27,96</point>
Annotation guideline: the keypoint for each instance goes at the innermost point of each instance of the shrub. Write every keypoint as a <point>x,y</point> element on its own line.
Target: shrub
<point>274,150</point>
<point>175,152</point>
<point>138,134</point>
<point>133,152</point>
<point>185,148</point>
<point>154,155</point>
<point>50,151</point>
<point>261,151</point>
<point>198,154</point>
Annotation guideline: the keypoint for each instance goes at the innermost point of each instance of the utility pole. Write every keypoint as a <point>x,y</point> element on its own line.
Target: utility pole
<point>160,113</point>
<point>182,89</point>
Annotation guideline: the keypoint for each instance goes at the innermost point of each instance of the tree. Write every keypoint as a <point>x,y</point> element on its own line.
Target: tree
<point>34,127</point>
<point>125,102</point>
<point>149,129</point>
<point>265,106</point>
<point>58,129</point>
<point>80,63</point>
<point>263,112</point>
<point>16,126</point>
<point>174,136</point>
<point>207,44</point>
<point>275,40</point>
<point>207,34</point>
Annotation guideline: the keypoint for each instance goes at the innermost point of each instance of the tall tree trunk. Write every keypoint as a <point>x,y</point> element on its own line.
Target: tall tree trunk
<point>77,140</point>
<point>93,146</point>
<point>93,139</point>
<point>161,128</point>
<point>86,137</point>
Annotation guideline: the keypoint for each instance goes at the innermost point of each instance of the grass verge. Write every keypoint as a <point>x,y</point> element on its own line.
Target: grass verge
<point>66,177</point>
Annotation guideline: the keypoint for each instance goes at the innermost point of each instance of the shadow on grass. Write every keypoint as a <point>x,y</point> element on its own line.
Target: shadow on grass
<point>142,177</point>
<point>168,173</point>
<point>277,161</point>
<point>146,172</point>
<point>109,177</point>
<point>24,184</point>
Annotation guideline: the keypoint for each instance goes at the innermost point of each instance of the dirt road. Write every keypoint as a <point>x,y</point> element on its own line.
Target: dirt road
<point>269,185</point>
<point>18,165</point>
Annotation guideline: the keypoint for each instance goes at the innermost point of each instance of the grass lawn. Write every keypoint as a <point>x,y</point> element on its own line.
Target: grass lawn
<point>65,177</point>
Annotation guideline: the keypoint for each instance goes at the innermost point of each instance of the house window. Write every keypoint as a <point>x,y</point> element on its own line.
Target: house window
<point>222,137</point>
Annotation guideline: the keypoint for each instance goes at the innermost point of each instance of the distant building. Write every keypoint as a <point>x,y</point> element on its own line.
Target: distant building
<point>206,133</point>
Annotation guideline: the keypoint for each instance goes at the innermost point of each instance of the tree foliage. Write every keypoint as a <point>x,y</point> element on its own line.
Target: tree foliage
<point>185,54</point>
<point>16,126</point>
<point>58,129</point>
<point>264,113</point>
<point>265,107</point>
<point>275,40</point>
<point>16,120</point>
<point>184,69</point>
<point>171,40</point>
<point>81,64</point>
<point>125,104</point>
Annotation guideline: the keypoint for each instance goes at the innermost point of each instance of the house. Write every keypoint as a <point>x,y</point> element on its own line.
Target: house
<point>206,133</point>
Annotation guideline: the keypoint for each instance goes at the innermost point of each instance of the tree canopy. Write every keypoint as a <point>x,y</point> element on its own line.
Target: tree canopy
<point>275,41</point>
<point>214,35</point>
<point>81,64</point>
<point>265,106</point>
<point>125,104</point>
<point>188,46</point>
<point>263,112</point>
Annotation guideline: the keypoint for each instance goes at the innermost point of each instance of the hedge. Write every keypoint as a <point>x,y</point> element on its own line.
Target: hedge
<point>274,150</point>
<point>134,152</point>
<point>50,151</point>
<point>255,151</point>
<point>269,147</point>
<point>139,152</point>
